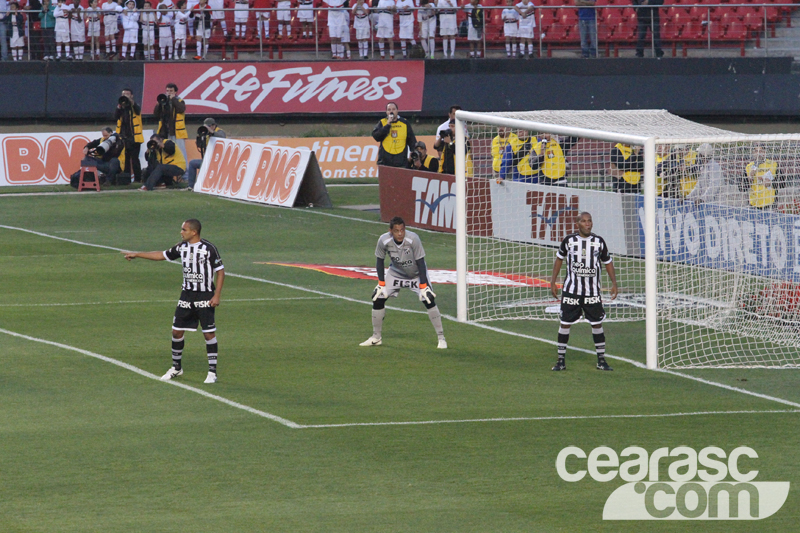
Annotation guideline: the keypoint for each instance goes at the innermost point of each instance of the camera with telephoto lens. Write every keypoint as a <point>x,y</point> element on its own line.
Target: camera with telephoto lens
<point>107,144</point>
<point>414,156</point>
<point>152,145</point>
<point>162,99</point>
<point>201,141</point>
<point>124,101</point>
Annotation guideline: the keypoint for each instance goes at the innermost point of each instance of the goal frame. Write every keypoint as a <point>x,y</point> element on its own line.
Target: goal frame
<point>649,148</point>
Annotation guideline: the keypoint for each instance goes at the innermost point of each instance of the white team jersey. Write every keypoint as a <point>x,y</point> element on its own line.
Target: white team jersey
<point>62,14</point>
<point>405,13</point>
<point>165,22</point>
<point>336,16</point>
<point>386,14</point>
<point>216,9</point>
<point>510,21</point>
<point>181,18</point>
<point>130,20</point>
<point>529,20</point>
<point>424,14</point>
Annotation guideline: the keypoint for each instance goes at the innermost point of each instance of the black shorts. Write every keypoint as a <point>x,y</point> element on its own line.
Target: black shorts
<point>572,306</point>
<point>193,309</point>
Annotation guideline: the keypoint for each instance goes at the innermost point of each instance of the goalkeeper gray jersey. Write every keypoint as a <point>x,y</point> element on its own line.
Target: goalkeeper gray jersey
<point>403,256</point>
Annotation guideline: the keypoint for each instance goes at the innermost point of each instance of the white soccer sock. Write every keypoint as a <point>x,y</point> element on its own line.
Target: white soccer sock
<point>431,46</point>
<point>436,319</point>
<point>530,49</point>
<point>403,48</point>
<point>224,27</point>
<point>424,45</point>
<point>514,48</point>
<point>380,46</point>
<point>377,322</point>
<point>452,47</point>
<point>199,48</point>
<point>280,29</point>
<point>114,46</point>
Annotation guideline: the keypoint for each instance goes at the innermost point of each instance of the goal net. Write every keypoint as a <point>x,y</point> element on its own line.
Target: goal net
<point>703,225</point>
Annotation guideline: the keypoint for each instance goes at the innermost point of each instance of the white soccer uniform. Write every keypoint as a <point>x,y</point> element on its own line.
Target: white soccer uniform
<point>111,12</point>
<point>93,26</point>
<point>346,29</point>
<point>427,22</point>
<point>17,34</point>
<point>216,9</point>
<point>510,22</point>
<point>305,11</point>
<point>180,25</point>
<point>62,14</point>
<point>528,22</point>
<point>241,11</point>
<point>284,12</point>
<point>165,30</point>
<point>386,19</point>
<point>130,23</point>
<point>448,27</point>
<point>473,33</point>
<point>337,21</point>
<point>361,22</point>
<point>405,14</point>
<point>148,21</point>
<point>77,28</point>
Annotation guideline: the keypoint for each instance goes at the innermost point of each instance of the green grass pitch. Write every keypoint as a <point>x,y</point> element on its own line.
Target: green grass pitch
<point>87,445</point>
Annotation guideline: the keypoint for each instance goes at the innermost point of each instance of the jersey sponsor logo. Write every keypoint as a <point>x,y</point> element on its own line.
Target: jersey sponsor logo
<point>592,300</point>
<point>572,301</point>
<point>183,304</point>
<point>405,283</point>
<point>402,262</point>
<point>192,277</point>
<point>581,270</point>
<point>435,199</point>
<point>304,87</point>
<point>552,214</point>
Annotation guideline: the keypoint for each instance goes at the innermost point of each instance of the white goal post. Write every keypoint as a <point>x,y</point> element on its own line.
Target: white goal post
<point>705,231</point>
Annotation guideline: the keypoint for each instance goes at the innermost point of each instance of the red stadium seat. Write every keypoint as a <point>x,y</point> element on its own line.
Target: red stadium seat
<point>624,32</point>
<point>716,30</point>
<point>753,22</point>
<point>692,31</point>
<point>737,31</point>
<point>670,31</point>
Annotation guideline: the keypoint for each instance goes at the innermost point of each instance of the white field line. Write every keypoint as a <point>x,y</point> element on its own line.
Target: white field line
<point>146,374</point>
<point>124,302</point>
<point>451,318</point>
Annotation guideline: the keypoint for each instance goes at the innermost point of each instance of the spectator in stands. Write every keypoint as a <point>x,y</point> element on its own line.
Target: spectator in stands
<point>385,33</point>
<point>62,15</point>
<point>93,16</point>
<point>510,32</point>
<point>396,137</point>
<point>262,17</point>
<point>426,16</point>
<point>587,25</point>
<point>626,166</point>
<point>16,31</point>
<point>305,14</point>
<point>761,176</point>
<point>169,165</point>
<point>130,25</point>
<point>165,18</point>
<point>527,23</point>
<point>405,27</point>
<point>648,18</point>
<point>474,27</point>
<point>3,30</point>
<point>182,18</point>
<point>149,21</point>
<point>502,139</point>
<point>218,16</point>
<point>421,160</point>
<point>201,13</point>
<point>213,130</point>
<point>361,24</point>
<point>48,23</point>
<point>111,11</point>
<point>337,26</point>
<point>345,36</point>
<point>77,26</point>
<point>709,186</point>
<point>240,15</point>
<point>448,25</point>
<point>104,153</point>
<point>171,116</point>
<point>521,159</point>
<point>284,16</point>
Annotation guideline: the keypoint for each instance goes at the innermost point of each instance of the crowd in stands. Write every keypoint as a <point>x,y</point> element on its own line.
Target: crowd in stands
<point>164,29</point>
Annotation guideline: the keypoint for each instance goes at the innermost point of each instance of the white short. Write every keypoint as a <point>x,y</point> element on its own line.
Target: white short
<point>110,24</point>
<point>149,36</point>
<point>362,29</point>
<point>427,28</point>
<point>165,37</point>
<point>203,33</point>
<point>241,15</point>
<point>510,29</point>
<point>77,33</point>
<point>130,37</point>
<point>395,282</point>
<point>17,40</point>
<point>472,33</point>
<point>284,11</point>
<point>93,29</point>
<point>345,34</point>
<point>180,32</point>
<point>262,15</point>
<point>385,33</point>
<point>448,26</point>
<point>217,15</point>
<point>406,32</point>
<point>526,32</point>
<point>63,37</point>
<point>305,14</point>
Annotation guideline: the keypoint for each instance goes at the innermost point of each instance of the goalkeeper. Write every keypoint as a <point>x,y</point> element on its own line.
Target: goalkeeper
<point>407,271</point>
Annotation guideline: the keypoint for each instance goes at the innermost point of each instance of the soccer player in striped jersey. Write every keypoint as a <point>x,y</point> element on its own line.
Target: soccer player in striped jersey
<point>200,295</point>
<point>407,271</point>
<point>580,294</point>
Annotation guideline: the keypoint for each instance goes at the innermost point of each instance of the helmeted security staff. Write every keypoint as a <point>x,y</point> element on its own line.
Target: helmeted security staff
<point>129,127</point>
<point>396,138</point>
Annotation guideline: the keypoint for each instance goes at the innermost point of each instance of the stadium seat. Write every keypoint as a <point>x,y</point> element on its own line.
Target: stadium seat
<point>716,31</point>
<point>753,21</point>
<point>670,31</point>
<point>692,31</point>
<point>736,31</point>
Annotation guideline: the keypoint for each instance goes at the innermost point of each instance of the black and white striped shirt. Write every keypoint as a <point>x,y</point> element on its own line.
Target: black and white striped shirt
<point>583,255</point>
<point>200,261</point>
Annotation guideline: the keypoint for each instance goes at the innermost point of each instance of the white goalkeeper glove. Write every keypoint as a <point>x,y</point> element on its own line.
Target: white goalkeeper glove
<point>380,292</point>
<point>425,293</point>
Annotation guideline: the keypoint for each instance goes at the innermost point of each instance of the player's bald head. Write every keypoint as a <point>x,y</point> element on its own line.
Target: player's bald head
<point>582,214</point>
<point>194,225</point>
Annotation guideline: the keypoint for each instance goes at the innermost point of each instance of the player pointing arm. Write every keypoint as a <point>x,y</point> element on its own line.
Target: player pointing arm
<point>407,271</point>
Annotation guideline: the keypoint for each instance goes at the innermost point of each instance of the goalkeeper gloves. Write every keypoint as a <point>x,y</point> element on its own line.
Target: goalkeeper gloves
<point>380,292</point>
<point>425,293</point>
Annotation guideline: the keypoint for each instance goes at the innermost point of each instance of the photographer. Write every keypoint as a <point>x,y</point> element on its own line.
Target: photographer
<point>204,133</point>
<point>104,153</point>
<point>420,160</point>
<point>396,138</point>
<point>165,163</point>
<point>170,111</point>
<point>129,127</point>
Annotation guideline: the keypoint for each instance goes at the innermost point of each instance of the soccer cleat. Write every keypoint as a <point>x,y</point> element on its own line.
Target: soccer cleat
<point>560,365</point>
<point>172,373</point>
<point>442,344</point>
<point>372,341</point>
<point>211,377</point>
<point>602,365</point>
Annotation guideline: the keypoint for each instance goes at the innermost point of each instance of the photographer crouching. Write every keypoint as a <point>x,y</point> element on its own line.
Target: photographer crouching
<point>420,160</point>
<point>104,154</point>
<point>204,133</point>
<point>128,115</point>
<point>165,164</point>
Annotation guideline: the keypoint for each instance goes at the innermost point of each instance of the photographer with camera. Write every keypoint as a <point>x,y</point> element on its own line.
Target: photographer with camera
<point>396,138</point>
<point>165,163</point>
<point>204,133</point>
<point>104,154</point>
<point>170,111</point>
<point>128,115</point>
<point>420,160</point>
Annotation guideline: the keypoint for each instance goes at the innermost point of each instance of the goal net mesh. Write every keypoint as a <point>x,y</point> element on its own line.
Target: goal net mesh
<point>728,227</point>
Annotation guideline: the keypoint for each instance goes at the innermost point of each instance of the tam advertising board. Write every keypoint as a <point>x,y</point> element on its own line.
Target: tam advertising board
<point>278,87</point>
<point>43,158</point>
<point>254,172</point>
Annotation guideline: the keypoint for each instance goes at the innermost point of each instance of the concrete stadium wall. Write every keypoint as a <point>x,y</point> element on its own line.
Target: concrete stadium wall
<point>743,87</point>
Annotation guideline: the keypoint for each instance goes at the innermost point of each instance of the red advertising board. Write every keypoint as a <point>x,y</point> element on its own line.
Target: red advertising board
<point>428,200</point>
<point>279,87</point>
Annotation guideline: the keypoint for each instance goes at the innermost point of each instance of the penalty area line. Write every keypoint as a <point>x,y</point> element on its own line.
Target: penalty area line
<point>126,366</point>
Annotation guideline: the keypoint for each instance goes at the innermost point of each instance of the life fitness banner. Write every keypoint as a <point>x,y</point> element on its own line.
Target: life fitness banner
<point>254,172</point>
<point>41,158</point>
<point>278,87</point>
